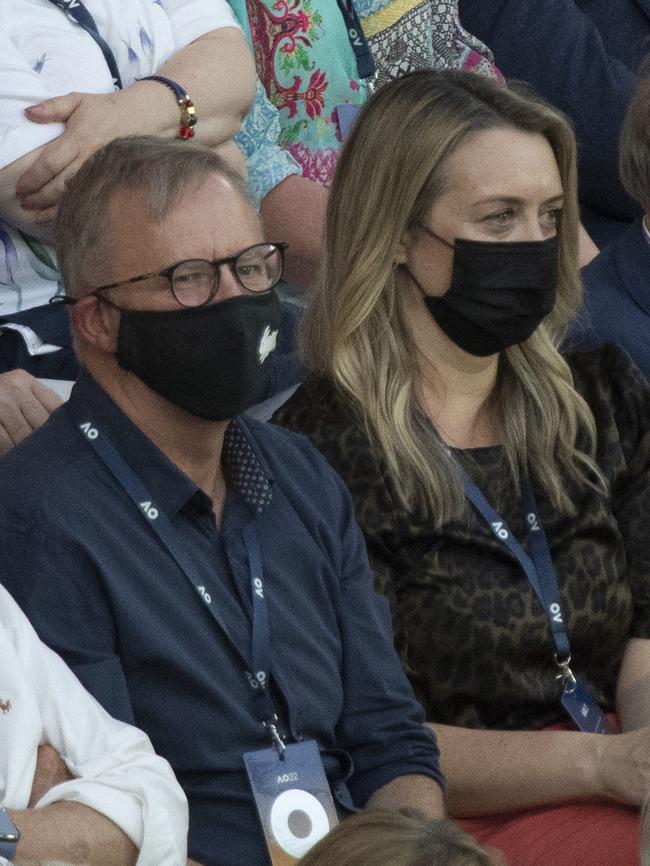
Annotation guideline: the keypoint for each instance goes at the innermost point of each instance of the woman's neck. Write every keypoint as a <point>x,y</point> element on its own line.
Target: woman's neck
<point>455,387</point>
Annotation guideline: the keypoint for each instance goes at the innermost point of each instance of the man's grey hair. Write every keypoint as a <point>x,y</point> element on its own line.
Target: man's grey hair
<point>634,147</point>
<point>158,168</point>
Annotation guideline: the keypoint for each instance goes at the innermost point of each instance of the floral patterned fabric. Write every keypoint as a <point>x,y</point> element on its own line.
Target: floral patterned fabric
<point>267,164</point>
<point>407,35</point>
<point>307,66</point>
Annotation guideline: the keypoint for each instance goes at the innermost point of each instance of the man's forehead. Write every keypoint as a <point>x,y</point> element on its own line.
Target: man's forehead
<point>211,192</point>
<point>208,203</point>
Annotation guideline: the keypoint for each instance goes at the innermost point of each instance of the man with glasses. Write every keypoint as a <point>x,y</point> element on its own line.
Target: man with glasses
<point>202,573</point>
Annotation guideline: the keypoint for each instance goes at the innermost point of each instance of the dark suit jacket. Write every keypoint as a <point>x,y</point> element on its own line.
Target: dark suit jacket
<point>582,56</point>
<point>617,298</point>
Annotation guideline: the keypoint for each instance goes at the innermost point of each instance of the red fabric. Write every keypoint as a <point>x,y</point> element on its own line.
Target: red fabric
<point>571,834</point>
<point>576,834</point>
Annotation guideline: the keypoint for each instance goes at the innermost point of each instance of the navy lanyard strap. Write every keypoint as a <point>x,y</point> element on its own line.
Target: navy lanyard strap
<point>77,12</point>
<point>539,570</point>
<point>358,41</point>
<point>258,678</point>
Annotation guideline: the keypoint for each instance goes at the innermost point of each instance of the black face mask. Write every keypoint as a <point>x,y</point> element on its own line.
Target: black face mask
<point>207,360</point>
<point>499,293</point>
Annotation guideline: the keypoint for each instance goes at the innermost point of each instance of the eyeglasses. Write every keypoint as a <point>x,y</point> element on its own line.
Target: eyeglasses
<point>194,282</point>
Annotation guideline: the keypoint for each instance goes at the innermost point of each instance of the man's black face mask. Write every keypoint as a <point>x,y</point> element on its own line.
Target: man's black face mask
<point>208,360</point>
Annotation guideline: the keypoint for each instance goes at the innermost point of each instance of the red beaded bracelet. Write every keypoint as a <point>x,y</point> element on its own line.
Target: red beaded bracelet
<point>188,112</point>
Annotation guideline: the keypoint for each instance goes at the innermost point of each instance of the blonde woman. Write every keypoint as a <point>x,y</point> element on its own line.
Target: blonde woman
<point>377,837</point>
<point>502,488</point>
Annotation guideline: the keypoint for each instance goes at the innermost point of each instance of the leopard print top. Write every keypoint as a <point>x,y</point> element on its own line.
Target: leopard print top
<point>471,633</point>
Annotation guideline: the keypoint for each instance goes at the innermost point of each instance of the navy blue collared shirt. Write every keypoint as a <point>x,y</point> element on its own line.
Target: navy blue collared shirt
<point>101,589</point>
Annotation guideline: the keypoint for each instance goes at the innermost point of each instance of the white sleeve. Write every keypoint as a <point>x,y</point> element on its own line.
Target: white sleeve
<point>118,773</point>
<point>193,18</point>
<point>21,86</point>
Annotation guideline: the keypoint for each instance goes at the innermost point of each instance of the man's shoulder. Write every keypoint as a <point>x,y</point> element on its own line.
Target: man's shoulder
<point>41,469</point>
<point>611,279</point>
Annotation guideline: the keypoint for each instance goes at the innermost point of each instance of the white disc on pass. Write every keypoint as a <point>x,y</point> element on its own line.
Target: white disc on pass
<point>295,800</point>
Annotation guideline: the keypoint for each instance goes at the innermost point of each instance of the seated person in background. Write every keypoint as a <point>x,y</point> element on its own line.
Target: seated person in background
<point>583,57</point>
<point>214,588</point>
<point>378,837</point>
<point>617,282</point>
<point>111,797</point>
<point>45,52</point>
<point>448,283</point>
<point>312,74</point>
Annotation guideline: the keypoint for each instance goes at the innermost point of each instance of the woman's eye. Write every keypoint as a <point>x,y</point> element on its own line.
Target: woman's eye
<point>503,218</point>
<point>552,217</point>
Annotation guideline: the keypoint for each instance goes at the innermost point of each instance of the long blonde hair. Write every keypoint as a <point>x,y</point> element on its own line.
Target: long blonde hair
<point>401,838</point>
<point>392,169</point>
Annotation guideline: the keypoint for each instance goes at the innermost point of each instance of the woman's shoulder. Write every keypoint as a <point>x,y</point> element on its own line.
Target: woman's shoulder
<point>320,411</point>
<point>606,371</point>
<point>316,405</point>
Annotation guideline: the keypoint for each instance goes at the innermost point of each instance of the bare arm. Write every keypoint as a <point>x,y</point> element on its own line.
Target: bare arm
<point>51,770</point>
<point>216,70</point>
<point>71,833</point>
<point>496,771</point>
<point>633,690</point>
<point>412,792</point>
<point>11,210</point>
<point>294,211</point>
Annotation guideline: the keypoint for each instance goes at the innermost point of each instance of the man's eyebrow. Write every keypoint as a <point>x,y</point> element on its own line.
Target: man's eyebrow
<point>507,199</point>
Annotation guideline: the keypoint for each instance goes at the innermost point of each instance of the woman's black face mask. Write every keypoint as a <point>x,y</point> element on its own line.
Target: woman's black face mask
<point>499,292</point>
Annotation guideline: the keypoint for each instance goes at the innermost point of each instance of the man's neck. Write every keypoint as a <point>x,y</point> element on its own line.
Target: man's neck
<point>193,444</point>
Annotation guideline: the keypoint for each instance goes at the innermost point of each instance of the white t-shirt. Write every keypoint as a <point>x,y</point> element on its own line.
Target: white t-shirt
<point>43,54</point>
<point>41,701</point>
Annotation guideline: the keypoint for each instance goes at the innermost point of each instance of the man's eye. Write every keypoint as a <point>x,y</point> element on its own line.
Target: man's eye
<point>249,270</point>
<point>190,278</point>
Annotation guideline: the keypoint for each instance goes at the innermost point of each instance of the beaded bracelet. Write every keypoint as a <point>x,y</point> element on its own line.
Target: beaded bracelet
<point>188,112</point>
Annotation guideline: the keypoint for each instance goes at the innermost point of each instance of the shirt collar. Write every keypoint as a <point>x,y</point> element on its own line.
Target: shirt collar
<point>244,467</point>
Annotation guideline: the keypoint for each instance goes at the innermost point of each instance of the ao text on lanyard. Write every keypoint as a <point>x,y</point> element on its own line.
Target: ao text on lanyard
<point>577,698</point>
<point>257,667</point>
<point>362,52</point>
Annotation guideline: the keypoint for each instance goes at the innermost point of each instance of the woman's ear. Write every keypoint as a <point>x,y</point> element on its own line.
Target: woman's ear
<point>403,249</point>
<point>96,323</point>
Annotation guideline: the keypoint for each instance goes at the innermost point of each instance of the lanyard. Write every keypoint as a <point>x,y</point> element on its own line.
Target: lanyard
<point>539,569</point>
<point>77,12</point>
<point>362,52</point>
<point>260,651</point>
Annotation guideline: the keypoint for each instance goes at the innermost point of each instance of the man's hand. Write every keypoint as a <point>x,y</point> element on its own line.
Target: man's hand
<point>25,404</point>
<point>50,770</point>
